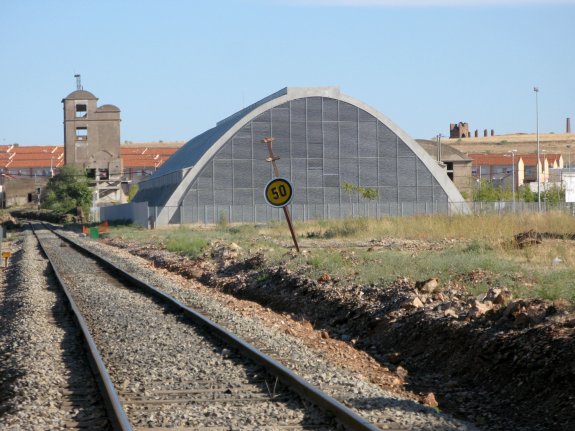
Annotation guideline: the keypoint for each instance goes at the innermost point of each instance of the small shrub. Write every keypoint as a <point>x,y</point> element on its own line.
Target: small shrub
<point>223,221</point>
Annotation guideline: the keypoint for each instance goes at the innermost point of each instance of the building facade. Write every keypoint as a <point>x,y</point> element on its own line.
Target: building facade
<point>327,143</point>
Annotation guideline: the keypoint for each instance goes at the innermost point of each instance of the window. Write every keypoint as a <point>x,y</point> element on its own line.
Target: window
<point>81,111</point>
<point>81,133</point>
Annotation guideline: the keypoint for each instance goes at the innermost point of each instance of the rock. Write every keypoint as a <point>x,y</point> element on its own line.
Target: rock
<point>325,277</point>
<point>479,308</point>
<point>428,286</point>
<point>234,246</point>
<point>450,312</point>
<point>429,400</point>
<point>497,296</point>
<point>413,303</point>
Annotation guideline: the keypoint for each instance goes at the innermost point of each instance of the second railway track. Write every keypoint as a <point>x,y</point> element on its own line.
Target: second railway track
<point>168,373</point>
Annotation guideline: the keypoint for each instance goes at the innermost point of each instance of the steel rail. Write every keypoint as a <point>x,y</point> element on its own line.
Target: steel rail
<point>116,412</point>
<point>306,390</point>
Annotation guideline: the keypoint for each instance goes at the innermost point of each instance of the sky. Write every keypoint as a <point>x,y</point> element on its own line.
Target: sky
<point>176,67</point>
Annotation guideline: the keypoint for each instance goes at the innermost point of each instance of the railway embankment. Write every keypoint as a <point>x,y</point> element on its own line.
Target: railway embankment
<point>495,360</point>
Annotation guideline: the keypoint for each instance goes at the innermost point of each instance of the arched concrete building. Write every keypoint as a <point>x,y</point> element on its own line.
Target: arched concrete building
<point>324,139</point>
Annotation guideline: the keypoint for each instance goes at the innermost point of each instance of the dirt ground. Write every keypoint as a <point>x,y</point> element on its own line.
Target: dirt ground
<point>499,362</point>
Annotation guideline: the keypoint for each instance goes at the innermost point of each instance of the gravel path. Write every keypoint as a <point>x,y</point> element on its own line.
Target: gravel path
<point>45,380</point>
<point>379,406</point>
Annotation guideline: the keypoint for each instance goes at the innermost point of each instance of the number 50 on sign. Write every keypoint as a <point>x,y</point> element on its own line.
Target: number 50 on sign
<point>278,192</point>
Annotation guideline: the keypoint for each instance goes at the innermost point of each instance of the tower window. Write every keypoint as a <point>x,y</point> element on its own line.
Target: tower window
<point>81,111</point>
<point>81,133</point>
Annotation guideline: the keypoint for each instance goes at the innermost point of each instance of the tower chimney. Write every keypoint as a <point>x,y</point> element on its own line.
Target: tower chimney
<point>78,82</point>
<point>568,125</point>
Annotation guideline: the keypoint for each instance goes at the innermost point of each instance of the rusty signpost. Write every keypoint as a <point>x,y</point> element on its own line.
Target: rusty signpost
<point>279,190</point>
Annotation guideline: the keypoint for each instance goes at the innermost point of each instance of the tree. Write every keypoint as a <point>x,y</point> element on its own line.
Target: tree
<point>68,190</point>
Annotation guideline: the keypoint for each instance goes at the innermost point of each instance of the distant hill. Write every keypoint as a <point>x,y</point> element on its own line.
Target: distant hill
<point>524,143</point>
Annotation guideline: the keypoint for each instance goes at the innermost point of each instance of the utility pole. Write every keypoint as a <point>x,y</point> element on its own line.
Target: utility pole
<point>272,159</point>
<point>536,90</point>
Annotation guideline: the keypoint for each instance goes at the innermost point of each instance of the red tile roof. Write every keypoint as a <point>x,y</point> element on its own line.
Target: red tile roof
<point>16,157</point>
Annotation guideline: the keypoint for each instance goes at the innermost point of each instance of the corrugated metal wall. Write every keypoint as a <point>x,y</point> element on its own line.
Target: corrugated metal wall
<point>323,143</point>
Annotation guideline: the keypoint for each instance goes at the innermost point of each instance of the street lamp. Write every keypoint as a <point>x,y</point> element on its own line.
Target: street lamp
<point>513,176</point>
<point>536,90</point>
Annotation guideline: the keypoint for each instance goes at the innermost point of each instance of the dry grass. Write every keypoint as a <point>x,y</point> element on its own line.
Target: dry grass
<point>467,244</point>
<point>554,143</point>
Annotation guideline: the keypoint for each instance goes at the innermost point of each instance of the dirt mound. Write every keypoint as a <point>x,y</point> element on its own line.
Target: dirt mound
<point>495,361</point>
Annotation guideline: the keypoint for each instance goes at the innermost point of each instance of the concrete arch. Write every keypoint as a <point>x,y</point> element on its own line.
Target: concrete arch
<point>185,166</point>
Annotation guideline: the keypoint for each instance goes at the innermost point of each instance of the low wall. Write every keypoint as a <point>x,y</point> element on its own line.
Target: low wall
<point>137,212</point>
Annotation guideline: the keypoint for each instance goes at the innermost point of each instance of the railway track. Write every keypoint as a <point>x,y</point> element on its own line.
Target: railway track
<point>163,365</point>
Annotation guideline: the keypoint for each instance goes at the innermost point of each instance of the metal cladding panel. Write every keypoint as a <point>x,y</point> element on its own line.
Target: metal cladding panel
<point>406,172</point>
<point>282,149</point>
<point>315,195</point>
<point>262,173</point>
<point>191,198</point>
<point>388,172</point>
<point>223,197</point>
<point>348,139</point>
<point>425,194</point>
<point>387,141</point>
<point>205,197</point>
<point>260,150</point>
<point>281,124</point>
<point>407,194</point>
<point>243,196</point>
<point>242,173</point>
<point>348,171</point>
<point>314,109</point>
<point>244,132</point>
<point>314,132</point>
<point>225,152</point>
<point>242,147</point>
<point>347,112</point>
<point>331,180</point>
<point>388,194</point>
<point>330,109</point>
<point>314,178</point>
<point>299,149</point>
<point>298,131</point>
<point>331,166</point>
<point>264,117</point>
<point>260,131</point>
<point>331,194</point>
<point>300,195</point>
<point>424,176</point>
<point>222,174</point>
<point>367,139</point>
<point>331,140</point>
<point>299,172</point>
<point>364,117</point>
<point>403,150</point>
<point>259,197</point>
<point>315,150</point>
<point>368,172</point>
<point>298,110</point>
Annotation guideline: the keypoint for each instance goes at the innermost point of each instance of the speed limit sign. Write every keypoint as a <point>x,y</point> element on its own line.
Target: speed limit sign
<point>278,192</point>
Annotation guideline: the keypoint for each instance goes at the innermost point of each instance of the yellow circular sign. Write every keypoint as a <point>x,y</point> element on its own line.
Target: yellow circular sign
<point>278,192</point>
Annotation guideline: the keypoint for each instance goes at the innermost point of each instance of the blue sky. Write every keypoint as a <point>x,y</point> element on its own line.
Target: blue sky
<point>175,68</point>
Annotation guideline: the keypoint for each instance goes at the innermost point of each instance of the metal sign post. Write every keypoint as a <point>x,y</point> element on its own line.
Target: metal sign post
<point>280,187</point>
